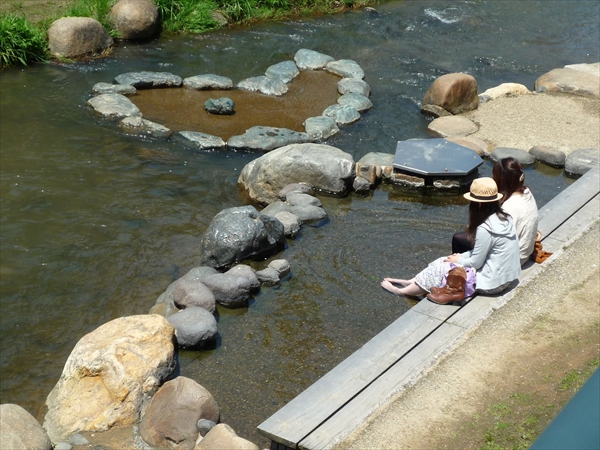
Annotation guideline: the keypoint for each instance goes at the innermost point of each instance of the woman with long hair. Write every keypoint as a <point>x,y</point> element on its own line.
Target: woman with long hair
<point>495,254</point>
<point>518,201</point>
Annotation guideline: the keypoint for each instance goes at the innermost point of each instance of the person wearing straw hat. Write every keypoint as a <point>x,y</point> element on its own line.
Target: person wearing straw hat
<point>495,255</point>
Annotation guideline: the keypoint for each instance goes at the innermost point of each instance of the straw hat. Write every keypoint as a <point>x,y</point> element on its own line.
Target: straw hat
<point>483,190</point>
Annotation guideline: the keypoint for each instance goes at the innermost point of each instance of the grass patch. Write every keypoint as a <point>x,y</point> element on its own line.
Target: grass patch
<point>96,9</point>
<point>20,41</point>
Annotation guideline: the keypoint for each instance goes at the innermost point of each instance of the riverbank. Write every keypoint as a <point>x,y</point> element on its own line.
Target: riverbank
<point>502,387</point>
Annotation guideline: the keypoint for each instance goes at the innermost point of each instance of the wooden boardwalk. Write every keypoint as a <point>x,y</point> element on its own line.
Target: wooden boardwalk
<point>335,405</point>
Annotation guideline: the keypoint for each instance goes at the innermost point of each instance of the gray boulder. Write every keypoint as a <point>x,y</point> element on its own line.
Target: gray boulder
<point>326,168</point>
<point>291,223</point>
<point>243,270</point>
<point>188,292</point>
<point>303,188</point>
<point>285,71</point>
<point>321,127</point>
<point>204,426</point>
<point>301,199</point>
<point>353,86</point>
<point>202,141</point>
<point>303,213</point>
<point>550,156</point>
<point>454,92</point>
<point>134,19</point>
<point>361,185</point>
<point>149,80</point>
<point>138,125</point>
<point>171,420</point>
<point>115,106</point>
<point>342,114</point>
<point>310,59</point>
<point>476,144</point>
<point>346,68</point>
<point>268,276</point>
<point>282,266</point>
<point>267,138</point>
<point>265,84</point>
<point>580,161</point>
<point>231,290</point>
<point>20,430</point>
<point>221,106</point>
<point>452,126</point>
<point>358,101</point>
<point>207,81</point>
<point>524,157</point>
<point>239,233</point>
<point>109,88</point>
<point>77,36</point>
<point>195,327</point>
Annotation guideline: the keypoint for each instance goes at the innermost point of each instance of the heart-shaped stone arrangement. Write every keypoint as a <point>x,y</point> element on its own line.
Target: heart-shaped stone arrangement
<point>110,100</point>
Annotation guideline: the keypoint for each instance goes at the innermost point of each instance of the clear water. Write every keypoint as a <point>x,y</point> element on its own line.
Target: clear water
<point>96,224</point>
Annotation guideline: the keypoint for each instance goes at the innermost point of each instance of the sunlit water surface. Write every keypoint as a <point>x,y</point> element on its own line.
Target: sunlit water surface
<point>95,224</point>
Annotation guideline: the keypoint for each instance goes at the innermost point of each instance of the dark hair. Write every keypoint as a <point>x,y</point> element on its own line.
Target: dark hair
<point>478,213</point>
<point>508,175</point>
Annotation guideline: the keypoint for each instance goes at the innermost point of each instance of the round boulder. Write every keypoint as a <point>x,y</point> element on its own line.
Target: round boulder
<point>20,430</point>
<point>195,327</point>
<point>239,233</point>
<point>77,36</point>
<point>455,92</point>
<point>134,19</point>
<point>323,167</point>
<point>171,420</point>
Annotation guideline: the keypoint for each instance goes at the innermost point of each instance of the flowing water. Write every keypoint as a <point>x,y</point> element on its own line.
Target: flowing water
<point>95,224</point>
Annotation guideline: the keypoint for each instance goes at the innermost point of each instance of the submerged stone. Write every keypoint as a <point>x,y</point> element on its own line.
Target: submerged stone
<point>321,127</point>
<point>221,106</point>
<point>357,101</point>
<point>138,125</point>
<point>109,88</point>
<point>342,114</point>
<point>353,86</point>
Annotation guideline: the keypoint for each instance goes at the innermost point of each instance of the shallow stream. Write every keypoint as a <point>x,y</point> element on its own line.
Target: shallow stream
<point>95,224</point>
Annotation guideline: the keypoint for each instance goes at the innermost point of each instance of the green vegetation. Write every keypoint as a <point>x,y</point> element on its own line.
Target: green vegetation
<point>24,24</point>
<point>20,42</point>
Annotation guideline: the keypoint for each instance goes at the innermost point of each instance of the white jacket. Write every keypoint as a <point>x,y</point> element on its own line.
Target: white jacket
<point>496,253</point>
<point>524,211</point>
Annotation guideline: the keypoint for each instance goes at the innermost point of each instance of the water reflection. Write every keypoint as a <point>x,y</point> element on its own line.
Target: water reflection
<point>95,224</point>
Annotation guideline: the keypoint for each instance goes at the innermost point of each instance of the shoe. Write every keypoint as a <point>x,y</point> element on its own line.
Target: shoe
<point>454,290</point>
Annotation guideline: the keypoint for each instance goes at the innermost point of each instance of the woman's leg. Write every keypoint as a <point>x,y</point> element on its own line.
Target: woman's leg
<point>410,288</point>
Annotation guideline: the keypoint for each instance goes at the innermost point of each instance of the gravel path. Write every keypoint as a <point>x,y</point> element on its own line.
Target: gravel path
<point>563,121</point>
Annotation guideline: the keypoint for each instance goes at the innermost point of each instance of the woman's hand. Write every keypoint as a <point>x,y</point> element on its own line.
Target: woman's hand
<point>453,258</point>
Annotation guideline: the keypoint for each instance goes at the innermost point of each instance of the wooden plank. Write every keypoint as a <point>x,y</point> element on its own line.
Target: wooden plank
<point>381,391</point>
<point>440,312</point>
<point>323,398</point>
<point>568,202</point>
<point>575,224</point>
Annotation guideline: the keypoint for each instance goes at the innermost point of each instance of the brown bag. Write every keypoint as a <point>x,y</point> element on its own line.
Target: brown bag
<point>539,255</point>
